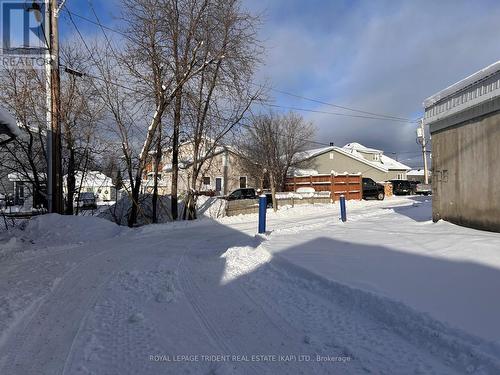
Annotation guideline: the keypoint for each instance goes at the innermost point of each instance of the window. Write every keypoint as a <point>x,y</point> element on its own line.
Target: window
<point>206,180</point>
<point>331,155</point>
<point>243,182</point>
<point>237,194</point>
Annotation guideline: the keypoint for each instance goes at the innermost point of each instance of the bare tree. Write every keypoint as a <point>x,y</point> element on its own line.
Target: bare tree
<point>220,96</point>
<point>80,113</point>
<point>23,94</point>
<point>273,142</point>
<point>163,36</point>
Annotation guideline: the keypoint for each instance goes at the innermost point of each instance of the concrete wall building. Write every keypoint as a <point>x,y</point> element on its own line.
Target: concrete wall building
<point>464,122</point>
<point>352,158</point>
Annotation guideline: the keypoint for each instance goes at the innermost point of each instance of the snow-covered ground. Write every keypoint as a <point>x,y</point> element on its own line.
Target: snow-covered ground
<point>386,292</point>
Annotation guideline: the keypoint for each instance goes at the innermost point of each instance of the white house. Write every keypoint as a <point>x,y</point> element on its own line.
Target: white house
<point>94,182</point>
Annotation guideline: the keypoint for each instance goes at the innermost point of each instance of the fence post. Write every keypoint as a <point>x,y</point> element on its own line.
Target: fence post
<point>262,213</point>
<point>343,212</point>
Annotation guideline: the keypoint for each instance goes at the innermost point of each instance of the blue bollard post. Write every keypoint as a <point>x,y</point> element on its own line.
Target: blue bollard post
<point>343,212</point>
<point>262,213</point>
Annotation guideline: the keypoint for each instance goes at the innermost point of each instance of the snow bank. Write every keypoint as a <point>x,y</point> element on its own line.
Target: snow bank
<point>118,212</point>
<point>53,231</point>
<point>303,194</point>
<point>57,229</point>
<point>210,207</point>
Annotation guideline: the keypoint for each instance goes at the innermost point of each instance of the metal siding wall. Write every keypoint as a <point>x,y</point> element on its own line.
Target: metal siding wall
<point>466,174</point>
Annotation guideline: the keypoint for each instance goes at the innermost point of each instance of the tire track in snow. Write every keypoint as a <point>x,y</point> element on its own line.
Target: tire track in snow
<point>83,276</point>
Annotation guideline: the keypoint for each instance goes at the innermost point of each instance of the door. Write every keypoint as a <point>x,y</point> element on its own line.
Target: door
<point>218,184</point>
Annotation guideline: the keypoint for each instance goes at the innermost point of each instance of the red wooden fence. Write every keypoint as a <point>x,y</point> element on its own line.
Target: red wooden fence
<point>350,185</point>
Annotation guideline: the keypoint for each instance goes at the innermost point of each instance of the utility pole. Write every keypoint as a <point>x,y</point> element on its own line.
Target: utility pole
<point>54,162</point>
<point>423,142</point>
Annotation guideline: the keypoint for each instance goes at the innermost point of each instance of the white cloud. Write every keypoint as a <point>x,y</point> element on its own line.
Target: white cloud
<point>382,56</point>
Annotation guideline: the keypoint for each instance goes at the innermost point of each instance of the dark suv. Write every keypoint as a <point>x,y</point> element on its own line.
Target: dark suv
<point>403,187</point>
<point>373,190</point>
<point>248,193</point>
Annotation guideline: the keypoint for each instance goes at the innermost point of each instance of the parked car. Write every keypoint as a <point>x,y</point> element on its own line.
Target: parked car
<point>248,193</point>
<point>403,187</point>
<point>423,189</point>
<point>371,189</point>
<point>86,201</point>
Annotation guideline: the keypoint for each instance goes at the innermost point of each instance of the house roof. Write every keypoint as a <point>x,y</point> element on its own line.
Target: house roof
<point>462,84</point>
<point>359,147</point>
<point>385,161</point>
<point>351,150</point>
<point>416,172</point>
<point>307,154</point>
<point>92,179</point>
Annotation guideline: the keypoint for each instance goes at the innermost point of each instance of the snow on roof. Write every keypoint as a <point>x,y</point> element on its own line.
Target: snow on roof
<point>8,124</point>
<point>385,162</point>
<point>298,172</point>
<point>21,177</point>
<point>307,154</point>
<point>92,179</point>
<point>416,172</point>
<point>462,84</point>
<point>359,147</point>
<point>351,149</point>
<point>390,163</point>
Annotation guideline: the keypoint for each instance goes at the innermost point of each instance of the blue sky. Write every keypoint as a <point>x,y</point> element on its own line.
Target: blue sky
<point>381,56</point>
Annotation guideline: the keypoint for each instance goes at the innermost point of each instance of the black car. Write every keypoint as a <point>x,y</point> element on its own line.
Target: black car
<point>373,190</point>
<point>403,187</point>
<point>248,193</point>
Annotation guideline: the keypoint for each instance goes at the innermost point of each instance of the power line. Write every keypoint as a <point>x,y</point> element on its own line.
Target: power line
<point>244,125</point>
<point>370,115</point>
<point>71,13</point>
<point>338,106</point>
<point>334,113</point>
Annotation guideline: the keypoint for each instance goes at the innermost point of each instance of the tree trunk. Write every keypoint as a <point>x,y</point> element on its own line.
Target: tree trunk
<point>272,180</point>
<point>132,219</point>
<point>70,181</point>
<point>190,210</point>
<point>175,153</point>
<point>155,176</point>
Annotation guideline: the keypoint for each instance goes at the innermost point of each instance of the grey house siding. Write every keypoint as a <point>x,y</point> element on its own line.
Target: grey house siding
<point>466,173</point>
<point>342,163</point>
